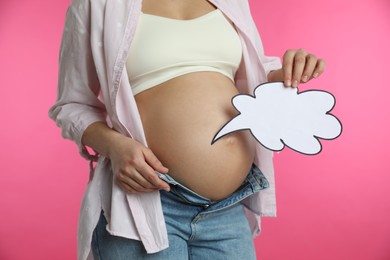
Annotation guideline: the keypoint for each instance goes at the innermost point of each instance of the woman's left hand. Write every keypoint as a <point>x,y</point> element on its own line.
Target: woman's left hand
<point>299,66</point>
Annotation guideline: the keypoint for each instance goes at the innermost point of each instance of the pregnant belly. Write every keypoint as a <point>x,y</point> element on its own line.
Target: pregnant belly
<point>181,116</point>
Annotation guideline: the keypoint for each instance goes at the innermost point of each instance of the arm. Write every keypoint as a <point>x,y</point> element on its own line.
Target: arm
<point>81,115</point>
<point>133,164</point>
<point>77,105</point>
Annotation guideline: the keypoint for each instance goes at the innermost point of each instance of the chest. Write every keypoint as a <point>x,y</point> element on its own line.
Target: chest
<point>164,47</point>
<point>177,9</point>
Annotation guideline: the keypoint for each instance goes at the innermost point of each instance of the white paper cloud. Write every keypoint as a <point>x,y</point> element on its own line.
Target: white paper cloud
<point>279,116</point>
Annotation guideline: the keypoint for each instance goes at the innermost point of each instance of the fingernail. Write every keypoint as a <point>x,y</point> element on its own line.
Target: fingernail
<point>316,75</point>
<point>295,83</point>
<point>288,83</point>
<point>305,78</point>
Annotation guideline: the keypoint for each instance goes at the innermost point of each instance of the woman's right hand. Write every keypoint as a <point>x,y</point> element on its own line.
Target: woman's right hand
<point>134,166</point>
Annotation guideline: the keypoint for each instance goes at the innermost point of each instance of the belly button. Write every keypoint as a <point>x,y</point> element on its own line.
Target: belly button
<point>230,140</point>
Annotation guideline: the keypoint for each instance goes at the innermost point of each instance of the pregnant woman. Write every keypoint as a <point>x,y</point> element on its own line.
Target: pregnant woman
<point>147,84</point>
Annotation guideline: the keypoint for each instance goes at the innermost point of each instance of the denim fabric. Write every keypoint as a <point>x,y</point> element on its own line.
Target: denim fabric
<point>198,228</point>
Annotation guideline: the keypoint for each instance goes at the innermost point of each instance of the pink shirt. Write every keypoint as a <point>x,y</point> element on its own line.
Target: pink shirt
<point>93,86</point>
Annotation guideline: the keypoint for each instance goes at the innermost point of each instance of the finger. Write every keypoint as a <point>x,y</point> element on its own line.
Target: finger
<point>288,59</point>
<point>143,173</point>
<point>155,163</point>
<point>131,189</point>
<point>126,187</point>
<point>319,69</point>
<point>137,177</point>
<point>119,180</point>
<point>150,175</point>
<point>135,181</point>
<point>129,174</point>
<point>299,66</point>
<point>311,62</point>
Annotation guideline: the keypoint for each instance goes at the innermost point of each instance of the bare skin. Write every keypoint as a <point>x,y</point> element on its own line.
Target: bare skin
<point>177,9</point>
<point>181,116</point>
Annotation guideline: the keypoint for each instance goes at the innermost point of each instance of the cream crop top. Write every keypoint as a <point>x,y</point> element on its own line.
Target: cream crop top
<point>164,48</point>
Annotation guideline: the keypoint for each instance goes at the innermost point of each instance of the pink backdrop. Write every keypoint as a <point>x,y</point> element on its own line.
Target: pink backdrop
<point>331,206</point>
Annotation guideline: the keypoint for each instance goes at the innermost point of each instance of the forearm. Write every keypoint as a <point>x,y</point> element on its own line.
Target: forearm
<point>133,165</point>
<point>99,137</point>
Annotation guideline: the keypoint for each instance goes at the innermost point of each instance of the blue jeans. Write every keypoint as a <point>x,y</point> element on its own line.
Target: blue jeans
<point>198,228</point>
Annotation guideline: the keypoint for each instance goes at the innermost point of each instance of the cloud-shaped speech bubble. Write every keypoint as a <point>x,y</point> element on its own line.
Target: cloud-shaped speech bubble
<point>278,116</point>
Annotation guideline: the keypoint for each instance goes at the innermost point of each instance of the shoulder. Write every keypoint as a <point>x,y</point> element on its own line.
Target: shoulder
<point>83,11</point>
<point>240,5</point>
<point>238,8</point>
<point>86,6</point>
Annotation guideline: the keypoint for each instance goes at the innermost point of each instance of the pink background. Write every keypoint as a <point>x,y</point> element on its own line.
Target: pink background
<point>331,206</point>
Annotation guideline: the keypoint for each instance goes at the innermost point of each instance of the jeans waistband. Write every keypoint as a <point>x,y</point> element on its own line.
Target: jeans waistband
<point>254,182</point>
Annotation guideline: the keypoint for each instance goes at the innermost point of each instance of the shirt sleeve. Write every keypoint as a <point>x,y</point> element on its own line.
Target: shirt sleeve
<point>269,63</point>
<point>77,104</point>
